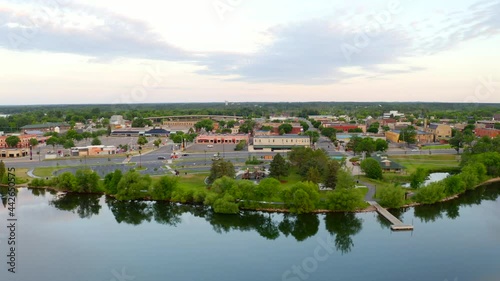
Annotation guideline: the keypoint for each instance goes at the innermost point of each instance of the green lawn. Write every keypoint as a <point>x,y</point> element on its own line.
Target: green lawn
<point>192,180</point>
<point>429,162</point>
<point>444,146</point>
<point>45,171</point>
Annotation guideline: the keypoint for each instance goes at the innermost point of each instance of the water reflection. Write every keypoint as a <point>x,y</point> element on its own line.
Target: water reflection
<point>451,209</point>
<point>4,194</point>
<point>343,226</point>
<point>38,191</point>
<point>85,205</point>
<point>130,212</point>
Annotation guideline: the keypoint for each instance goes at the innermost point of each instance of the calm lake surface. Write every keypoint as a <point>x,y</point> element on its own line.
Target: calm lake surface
<point>94,238</point>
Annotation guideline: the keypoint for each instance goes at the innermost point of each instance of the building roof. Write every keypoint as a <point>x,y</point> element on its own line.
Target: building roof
<point>382,160</point>
<point>496,117</point>
<point>283,136</point>
<point>157,131</point>
<point>44,125</point>
<point>418,132</point>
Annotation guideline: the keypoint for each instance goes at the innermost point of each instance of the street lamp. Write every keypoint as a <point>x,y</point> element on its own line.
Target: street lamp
<point>205,156</point>
<point>31,152</point>
<point>140,159</point>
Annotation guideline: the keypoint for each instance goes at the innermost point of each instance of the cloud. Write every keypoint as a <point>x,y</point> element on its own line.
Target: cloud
<point>80,29</point>
<point>310,52</point>
<point>317,51</point>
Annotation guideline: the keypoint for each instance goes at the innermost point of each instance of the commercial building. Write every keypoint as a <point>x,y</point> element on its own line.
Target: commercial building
<point>93,150</point>
<point>283,142</point>
<point>439,131</point>
<point>23,143</point>
<point>47,127</point>
<point>422,137</point>
<point>221,138</point>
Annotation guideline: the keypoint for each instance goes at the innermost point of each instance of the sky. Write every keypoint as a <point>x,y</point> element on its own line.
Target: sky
<point>120,51</point>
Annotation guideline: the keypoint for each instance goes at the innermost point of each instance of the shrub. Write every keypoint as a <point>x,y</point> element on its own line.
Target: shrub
<point>225,205</point>
<point>431,193</point>
<point>391,197</point>
<point>371,168</point>
<point>345,199</point>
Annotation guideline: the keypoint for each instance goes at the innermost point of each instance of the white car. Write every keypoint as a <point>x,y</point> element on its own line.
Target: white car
<point>415,149</point>
<point>209,146</point>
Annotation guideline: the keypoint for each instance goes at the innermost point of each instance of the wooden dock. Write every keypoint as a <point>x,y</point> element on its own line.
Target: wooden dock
<point>396,223</point>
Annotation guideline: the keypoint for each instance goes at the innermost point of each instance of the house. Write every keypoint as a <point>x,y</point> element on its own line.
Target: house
<point>496,117</point>
<point>283,142</point>
<point>388,165</point>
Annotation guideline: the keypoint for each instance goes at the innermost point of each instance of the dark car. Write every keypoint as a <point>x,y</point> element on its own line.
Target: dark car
<point>161,157</point>
<point>185,154</point>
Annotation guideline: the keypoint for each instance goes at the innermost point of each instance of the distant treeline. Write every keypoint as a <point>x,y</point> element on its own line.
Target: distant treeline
<point>31,114</point>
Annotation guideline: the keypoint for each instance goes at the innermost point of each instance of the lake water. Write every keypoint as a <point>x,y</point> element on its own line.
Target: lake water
<point>86,237</point>
<point>433,177</point>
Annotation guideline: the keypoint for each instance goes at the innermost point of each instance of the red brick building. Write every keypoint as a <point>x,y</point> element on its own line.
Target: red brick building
<point>481,132</point>
<point>24,143</point>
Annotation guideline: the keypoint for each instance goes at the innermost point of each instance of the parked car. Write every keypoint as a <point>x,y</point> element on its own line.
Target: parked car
<point>185,154</point>
<point>210,145</point>
<point>161,157</point>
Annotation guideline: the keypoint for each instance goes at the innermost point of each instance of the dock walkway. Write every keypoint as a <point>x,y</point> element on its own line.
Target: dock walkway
<point>396,223</point>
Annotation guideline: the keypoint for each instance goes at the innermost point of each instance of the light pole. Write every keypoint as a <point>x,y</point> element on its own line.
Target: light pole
<point>205,156</point>
<point>140,159</point>
<point>31,152</point>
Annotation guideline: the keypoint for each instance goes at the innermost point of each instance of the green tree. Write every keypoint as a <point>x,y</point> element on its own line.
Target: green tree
<point>2,170</point>
<point>133,185</point>
<point>345,180</point>
<point>141,122</point>
<point>431,193</point>
<point>330,174</point>
<point>12,141</point>
<point>162,189</point>
<point>328,132</point>
<point>267,189</point>
<point>457,141</point>
<point>343,199</point>
<point>371,168</point>
<point>67,181</point>
<point>418,177</point>
<point>374,127</point>
<point>33,142</point>
<point>225,205</point>
<point>391,197</point>
<point>279,167</point>
<point>142,140</point>
<point>220,168</point>
<point>313,175</point>
<point>302,197</point>
<point>286,128</point>
<point>206,124</point>
<point>381,145</point>
<point>111,181</point>
<point>313,136</point>
<point>96,141</point>
<point>408,135</point>
<point>157,142</point>
<point>241,145</point>
<point>53,141</point>
<point>87,180</point>
<point>68,144</point>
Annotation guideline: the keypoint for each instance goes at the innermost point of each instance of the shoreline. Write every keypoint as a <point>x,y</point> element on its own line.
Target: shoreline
<point>368,209</point>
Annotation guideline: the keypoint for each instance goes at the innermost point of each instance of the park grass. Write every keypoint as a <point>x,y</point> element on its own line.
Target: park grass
<point>439,162</point>
<point>191,181</point>
<point>45,171</point>
<point>443,146</point>
<point>290,180</point>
